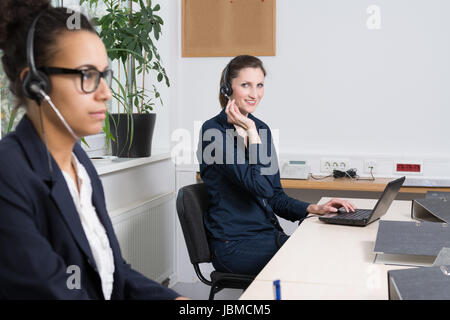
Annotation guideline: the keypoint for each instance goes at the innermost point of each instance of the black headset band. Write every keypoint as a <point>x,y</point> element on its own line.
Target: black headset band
<point>30,44</point>
<point>225,74</point>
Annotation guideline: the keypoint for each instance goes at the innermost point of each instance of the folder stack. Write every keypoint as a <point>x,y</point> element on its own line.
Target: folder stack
<point>424,243</point>
<point>434,208</point>
<point>420,284</point>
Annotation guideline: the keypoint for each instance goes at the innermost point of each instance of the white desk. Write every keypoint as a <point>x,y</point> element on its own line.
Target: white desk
<point>325,261</point>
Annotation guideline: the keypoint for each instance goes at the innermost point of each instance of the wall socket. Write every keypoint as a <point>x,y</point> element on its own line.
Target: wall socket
<point>328,165</point>
<point>368,164</point>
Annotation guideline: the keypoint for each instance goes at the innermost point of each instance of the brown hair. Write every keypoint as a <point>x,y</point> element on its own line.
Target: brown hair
<point>16,17</point>
<point>232,71</point>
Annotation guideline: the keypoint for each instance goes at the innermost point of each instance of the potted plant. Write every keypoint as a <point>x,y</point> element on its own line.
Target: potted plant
<point>129,36</point>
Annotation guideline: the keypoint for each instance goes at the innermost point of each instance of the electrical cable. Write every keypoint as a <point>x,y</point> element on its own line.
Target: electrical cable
<point>320,178</point>
<point>44,136</point>
<point>351,173</point>
<point>307,217</point>
<point>368,179</point>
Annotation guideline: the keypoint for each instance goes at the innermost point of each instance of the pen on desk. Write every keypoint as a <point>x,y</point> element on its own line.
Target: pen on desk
<point>277,286</point>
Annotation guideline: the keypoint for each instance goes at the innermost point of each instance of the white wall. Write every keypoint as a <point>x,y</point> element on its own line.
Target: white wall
<point>166,46</point>
<point>334,87</point>
<point>337,88</point>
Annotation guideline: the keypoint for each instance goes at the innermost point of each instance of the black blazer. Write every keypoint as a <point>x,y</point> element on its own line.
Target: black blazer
<point>43,247</point>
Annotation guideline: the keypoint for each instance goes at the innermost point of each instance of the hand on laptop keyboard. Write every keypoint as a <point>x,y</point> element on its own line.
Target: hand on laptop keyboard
<point>341,210</point>
<point>331,207</point>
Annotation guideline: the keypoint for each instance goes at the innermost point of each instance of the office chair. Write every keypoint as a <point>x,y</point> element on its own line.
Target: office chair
<point>192,204</point>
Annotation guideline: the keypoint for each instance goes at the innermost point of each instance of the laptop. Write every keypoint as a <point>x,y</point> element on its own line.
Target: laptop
<point>363,217</point>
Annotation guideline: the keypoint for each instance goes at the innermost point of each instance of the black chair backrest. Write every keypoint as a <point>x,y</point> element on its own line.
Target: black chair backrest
<point>192,204</point>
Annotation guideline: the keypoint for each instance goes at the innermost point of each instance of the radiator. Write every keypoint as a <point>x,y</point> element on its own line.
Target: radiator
<point>146,236</point>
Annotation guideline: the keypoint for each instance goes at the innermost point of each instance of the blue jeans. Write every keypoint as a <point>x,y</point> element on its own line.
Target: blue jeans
<point>248,256</point>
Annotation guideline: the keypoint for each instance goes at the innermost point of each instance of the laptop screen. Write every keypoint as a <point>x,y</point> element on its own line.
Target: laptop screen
<point>389,194</point>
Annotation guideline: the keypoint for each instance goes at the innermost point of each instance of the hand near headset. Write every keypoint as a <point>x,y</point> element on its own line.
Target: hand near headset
<point>234,116</point>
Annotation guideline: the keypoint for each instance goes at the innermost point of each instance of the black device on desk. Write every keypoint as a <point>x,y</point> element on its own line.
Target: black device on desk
<point>362,217</point>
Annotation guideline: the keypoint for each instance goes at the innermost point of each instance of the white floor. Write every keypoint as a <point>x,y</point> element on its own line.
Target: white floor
<point>200,291</point>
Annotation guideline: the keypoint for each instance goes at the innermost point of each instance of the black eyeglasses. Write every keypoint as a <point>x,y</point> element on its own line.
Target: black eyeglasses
<point>90,77</point>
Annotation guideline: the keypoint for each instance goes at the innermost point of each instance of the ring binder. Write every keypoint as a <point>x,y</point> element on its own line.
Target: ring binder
<point>415,243</point>
<point>419,283</point>
<point>435,209</point>
<point>445,270</point>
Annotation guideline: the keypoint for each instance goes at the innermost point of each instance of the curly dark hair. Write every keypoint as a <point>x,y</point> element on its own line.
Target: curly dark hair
<point>16,17</point>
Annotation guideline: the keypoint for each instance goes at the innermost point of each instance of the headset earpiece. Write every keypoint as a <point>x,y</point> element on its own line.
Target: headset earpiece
<point>226,89</point>
<point>39,79</point>
<point>34,77</point>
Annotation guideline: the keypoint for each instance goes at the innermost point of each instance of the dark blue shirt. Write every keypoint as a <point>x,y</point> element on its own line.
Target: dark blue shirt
<point>243,183</point>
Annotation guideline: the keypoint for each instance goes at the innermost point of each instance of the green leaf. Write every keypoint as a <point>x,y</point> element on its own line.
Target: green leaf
<point>158,19</point>
<point>167,81</point>
<point>136,102</point>
<point>11,119</point>
<point>85,143</point>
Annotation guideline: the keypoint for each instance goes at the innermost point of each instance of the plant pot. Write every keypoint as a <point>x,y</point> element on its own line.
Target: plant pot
<point>122,126</point>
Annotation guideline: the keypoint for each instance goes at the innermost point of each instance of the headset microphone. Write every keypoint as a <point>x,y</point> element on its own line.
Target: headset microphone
<point>45,97</point>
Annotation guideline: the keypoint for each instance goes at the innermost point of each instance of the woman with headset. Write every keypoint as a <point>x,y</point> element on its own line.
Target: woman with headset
<point>56,238</point>
<point>239,167</point>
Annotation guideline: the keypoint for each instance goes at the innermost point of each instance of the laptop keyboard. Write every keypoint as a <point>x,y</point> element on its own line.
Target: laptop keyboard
<point>359,214</point>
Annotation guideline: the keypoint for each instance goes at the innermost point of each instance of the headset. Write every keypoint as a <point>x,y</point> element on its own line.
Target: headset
<point>36,84</point>
<point>225,88</point>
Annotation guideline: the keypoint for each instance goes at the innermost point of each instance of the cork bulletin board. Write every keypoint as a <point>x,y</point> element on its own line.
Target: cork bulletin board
<point>224,28</point>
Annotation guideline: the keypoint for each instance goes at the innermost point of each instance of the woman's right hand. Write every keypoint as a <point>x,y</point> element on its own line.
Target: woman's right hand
<point>331,207</point>
<point>235,117</point>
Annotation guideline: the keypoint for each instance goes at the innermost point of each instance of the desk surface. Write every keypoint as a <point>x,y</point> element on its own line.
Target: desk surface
<point>347,184</point>
<point>331,183</point>
<point>325,261</point>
